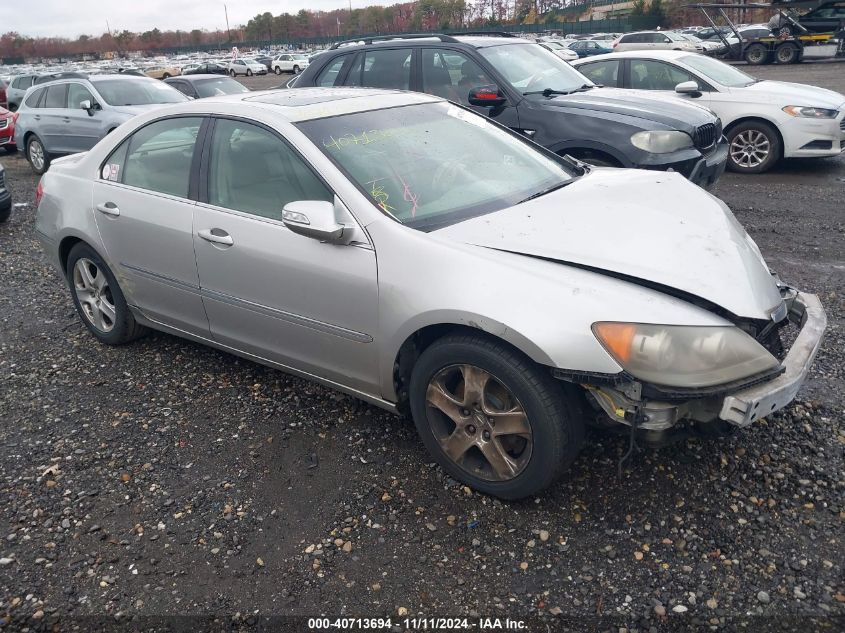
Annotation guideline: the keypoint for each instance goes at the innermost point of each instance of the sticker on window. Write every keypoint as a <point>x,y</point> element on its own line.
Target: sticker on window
<point>111,172</point>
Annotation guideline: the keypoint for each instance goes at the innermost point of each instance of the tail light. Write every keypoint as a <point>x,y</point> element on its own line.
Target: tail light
<point>39,193</point>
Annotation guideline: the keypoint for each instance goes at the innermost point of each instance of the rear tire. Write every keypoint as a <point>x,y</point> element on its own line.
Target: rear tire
<point>514,428</point>
<point>5,214</point>
<point>787,54</point>
<point>100,281</point>
<point>277,70</point>
<point>166,76</point>
<point>232,73</point>
<point>37,155</point>
<point>756,54</point>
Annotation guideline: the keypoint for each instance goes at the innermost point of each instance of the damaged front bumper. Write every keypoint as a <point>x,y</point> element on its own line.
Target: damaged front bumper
<point>744,407</point>
<point>625,402</point>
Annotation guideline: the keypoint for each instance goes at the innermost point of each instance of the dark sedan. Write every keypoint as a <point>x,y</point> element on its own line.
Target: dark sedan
<point>201,86</point>
<point>588,48</point>
<point>210,68</point>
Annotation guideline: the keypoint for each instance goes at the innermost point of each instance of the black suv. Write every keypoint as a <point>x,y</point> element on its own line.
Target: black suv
<point>529,89</point>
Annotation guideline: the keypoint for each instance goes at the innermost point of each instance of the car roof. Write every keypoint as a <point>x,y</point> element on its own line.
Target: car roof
<point>476,41</point>
<point>664,55</point>
<point>304,104</point>
<point>198,77</point>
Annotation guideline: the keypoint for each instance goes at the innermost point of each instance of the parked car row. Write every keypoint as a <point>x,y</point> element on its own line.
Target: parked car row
<point>661,109</point>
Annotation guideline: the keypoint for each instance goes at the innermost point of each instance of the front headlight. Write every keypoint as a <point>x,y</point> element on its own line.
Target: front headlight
<point>810,113</point>
<point>661,141</point>
<point>684,356</point>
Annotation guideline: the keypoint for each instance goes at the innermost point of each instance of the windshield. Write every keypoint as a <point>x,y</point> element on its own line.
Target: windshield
<point>434,164</point>
<point>530,67</point>
<point>125,92</point>
<point>718,72</point>
<point>222,86</point>
<point>674,37</point>
<point>554,45</point>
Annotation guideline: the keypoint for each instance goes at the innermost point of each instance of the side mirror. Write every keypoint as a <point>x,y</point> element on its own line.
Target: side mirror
<point>688,88</point>
<point>486,96</point>
<point>315,219</point>
<point>87,106</point>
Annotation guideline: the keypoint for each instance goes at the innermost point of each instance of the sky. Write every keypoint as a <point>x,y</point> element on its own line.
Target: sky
<point>71,18</point>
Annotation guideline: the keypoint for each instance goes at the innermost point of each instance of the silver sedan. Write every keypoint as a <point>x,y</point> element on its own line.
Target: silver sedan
<point>425,259</point>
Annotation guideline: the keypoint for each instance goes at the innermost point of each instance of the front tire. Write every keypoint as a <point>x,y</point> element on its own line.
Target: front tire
<point>249,72</point>
<point>296,70</point>
<point>37,156</point>
<point>492,418</point>
<point>753,147</point>
<point>98,299</point>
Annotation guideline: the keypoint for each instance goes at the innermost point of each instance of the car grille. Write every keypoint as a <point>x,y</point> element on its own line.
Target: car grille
<point>4,123</point>
<point>842,125</point>
<point>706,136</point>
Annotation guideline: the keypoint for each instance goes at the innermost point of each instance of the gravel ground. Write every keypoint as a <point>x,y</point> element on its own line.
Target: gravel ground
<point>166,478</point>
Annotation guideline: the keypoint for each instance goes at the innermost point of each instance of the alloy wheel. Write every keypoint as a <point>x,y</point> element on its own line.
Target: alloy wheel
<point>36,154</point>
<point>750,149</point>
<point>94,295</point>
<point>479,423</point>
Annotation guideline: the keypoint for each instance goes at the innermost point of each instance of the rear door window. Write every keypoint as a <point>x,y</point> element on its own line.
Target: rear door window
<point>390,68</point>
<point>56,96</point>
<point>159,157</point>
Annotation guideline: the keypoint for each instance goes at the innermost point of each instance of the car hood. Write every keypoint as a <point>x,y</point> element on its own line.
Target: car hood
<point>787,93</point>
<point>656,229</point>
<point>673,113</point>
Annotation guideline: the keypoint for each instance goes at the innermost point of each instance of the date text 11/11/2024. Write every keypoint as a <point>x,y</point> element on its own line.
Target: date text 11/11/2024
<point>417,624</point>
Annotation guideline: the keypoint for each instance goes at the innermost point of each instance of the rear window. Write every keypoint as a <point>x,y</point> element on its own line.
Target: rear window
<point>22,83</point>
<point>127,92</point>
<point>33,99</point>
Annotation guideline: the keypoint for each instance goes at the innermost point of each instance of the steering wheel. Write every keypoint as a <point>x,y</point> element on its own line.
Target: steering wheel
<point>536,77</point>
<point>448,171</point>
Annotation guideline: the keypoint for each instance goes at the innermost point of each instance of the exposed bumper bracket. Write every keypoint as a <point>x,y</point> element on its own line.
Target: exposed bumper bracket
<point>744,407</point>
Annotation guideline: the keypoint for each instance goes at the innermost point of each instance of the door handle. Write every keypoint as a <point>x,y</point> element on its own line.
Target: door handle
<point>109,208</point>
<point>217,236</point>
<point>66,119</point>
<point>37,117</point>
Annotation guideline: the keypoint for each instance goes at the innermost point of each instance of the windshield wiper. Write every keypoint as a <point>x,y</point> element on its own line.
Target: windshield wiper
<point>543,192</point>
<point>548,92</point>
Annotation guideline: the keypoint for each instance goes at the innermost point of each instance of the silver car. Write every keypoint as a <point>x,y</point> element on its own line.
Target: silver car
<point>71,115</point>
<point>420,257</point>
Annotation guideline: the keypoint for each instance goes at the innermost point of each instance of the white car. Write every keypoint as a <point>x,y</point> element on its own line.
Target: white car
<point>246,66</point>
<point>289,63</point>
<point>764,121</point>
<point>653,41</point>
<point>561,50</point>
